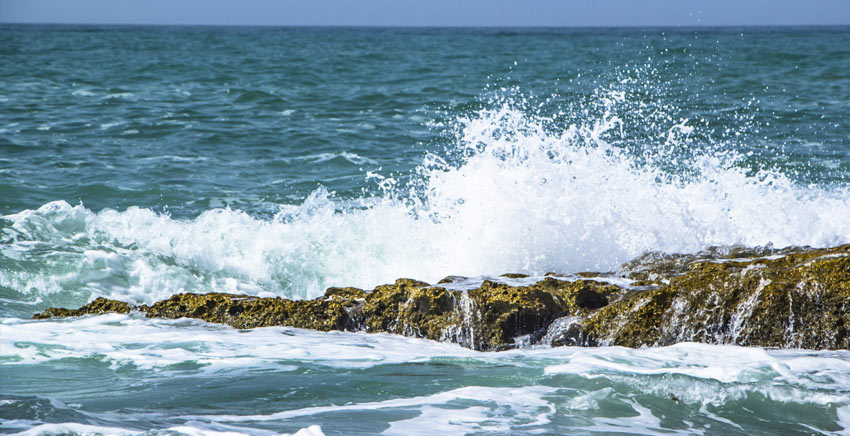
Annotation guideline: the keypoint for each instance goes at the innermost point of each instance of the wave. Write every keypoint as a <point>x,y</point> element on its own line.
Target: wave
<point>730,389</point>
<point>514,193</point>
<point>36,428</point>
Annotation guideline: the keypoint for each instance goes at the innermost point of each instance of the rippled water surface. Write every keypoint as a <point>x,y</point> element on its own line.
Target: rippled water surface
<point>138,162</point>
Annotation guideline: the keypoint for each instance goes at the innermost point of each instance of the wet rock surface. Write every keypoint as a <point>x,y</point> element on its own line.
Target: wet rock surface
<point>792,298</point>
<point>99,305</point>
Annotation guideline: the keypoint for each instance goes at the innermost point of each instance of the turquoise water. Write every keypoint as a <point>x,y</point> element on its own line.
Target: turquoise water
<point>138,162</point>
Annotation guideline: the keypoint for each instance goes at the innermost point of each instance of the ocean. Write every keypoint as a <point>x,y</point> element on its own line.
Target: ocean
<point>141,162</point>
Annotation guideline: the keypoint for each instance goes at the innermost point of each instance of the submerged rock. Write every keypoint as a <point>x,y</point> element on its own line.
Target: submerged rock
<point>790,298</point>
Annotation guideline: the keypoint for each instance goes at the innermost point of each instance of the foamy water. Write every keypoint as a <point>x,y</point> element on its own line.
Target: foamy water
<point>521,199</point>
<point>684,388</point>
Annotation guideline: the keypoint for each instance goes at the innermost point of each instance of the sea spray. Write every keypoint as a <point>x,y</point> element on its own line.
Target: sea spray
<point>512,195</point>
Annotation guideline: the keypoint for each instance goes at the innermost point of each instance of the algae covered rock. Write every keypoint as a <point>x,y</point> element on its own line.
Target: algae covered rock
<point>99,305</point>
<point>795,297</point>
<point>504,312</point>
<point>490,317</point>
<point>800,300</point>
<point>337,310</point>
<point>411,310</point>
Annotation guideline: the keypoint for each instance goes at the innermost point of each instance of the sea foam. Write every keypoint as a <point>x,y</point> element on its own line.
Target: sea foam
<point>512,194</point>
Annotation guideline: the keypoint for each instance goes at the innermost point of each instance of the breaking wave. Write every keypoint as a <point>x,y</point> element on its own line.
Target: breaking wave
<point>515,192</point>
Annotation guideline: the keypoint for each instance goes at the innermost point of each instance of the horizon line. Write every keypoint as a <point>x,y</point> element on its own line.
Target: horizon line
<point>431,26</point>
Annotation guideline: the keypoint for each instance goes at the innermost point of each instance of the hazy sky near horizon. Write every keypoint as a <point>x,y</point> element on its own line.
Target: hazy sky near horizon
<point>431,13</point>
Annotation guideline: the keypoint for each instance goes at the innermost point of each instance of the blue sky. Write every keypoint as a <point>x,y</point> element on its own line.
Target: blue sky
<point>430,13</point>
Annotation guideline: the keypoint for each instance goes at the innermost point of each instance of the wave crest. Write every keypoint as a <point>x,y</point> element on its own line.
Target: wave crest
<point>513,194</point>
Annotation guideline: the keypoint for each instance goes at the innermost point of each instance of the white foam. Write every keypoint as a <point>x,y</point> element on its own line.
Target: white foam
<point>120,95</point>
<point>715,374</point>
<point>192,430</point>
<point>37,429</point>
<point>740,364</point>
<point>82,93</point>
<point>160,343</point>
<point>106,126</point>
<point>843,414</point>
<point>353,158</point>
<point>472,408</point>
<point>645,423</point>
<point>75,428</point>
<point>589,400</point>
<point>313,430</point>
<point>523,198</point>
<point>567,382</point>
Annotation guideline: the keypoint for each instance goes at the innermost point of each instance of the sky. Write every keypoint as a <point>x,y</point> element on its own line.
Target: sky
<point>430,12</point>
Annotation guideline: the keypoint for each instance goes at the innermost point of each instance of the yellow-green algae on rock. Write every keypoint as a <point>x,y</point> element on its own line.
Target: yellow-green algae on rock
<point>795,297</point>
<point>796,300</point>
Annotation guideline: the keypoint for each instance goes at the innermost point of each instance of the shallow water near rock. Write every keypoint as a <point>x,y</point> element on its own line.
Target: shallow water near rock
<point>279,162</point>
<point>188,374</point>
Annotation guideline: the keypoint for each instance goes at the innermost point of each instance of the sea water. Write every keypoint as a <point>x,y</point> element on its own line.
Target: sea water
<point>140,162</point>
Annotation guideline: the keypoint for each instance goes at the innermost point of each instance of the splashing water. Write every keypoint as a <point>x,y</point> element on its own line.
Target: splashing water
<point>521,194</point>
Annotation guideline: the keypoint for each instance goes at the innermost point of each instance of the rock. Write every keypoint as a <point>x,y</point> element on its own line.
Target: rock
<point>795,297</point>
<point>99,305</point>
<point>504,312</point>
<point>451,279</point>
<point>563,331</point>
<point>588,274</point>
<point>799,300</point>
<point>339,309</point>
<point>587,298</point>
<point>486,318</point>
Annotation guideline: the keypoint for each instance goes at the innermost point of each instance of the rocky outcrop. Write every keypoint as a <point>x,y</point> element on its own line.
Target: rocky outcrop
<point>99,305</point>
<point>773,298</point>
<point>793,299</point>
